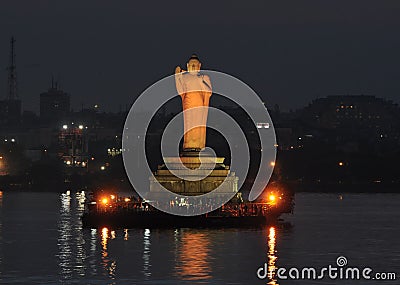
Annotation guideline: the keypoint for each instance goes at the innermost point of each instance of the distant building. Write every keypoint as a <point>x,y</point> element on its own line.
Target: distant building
<point>54,105</point>
<point>351,120</point>
<point>349,111</point>
<point>10,112</point>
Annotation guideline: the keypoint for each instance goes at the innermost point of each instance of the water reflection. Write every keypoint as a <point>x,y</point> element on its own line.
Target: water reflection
<point>93,250</point>
<point>272,256</point>
<point>109,264</point>
<point>146,254</point>
<point>71,250</point>
<point>64,238</point>
<point>193,256</point>
<point>79,239</point>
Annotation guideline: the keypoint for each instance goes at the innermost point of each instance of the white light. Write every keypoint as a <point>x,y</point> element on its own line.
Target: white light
<point>262,125</point>
<point>65,127</point>
<point>81,127</point>
<point>103,167</point>
<point>12,140</point>
<point>68,162</point>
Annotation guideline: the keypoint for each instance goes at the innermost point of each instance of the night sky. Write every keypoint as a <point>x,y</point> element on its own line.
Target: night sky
<point>289,52</point>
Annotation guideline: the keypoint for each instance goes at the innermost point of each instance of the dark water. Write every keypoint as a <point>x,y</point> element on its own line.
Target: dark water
<point>42,242</point>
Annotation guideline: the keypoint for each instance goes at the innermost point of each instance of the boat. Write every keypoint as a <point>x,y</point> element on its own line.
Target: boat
<point>113,211</point>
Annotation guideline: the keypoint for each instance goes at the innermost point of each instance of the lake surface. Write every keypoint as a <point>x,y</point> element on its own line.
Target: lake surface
<point>42,242</point>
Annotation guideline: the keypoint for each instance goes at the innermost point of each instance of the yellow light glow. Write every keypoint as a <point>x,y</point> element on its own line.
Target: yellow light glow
<point>272,256</point>
<point>272,197</point>
<point>126,235</point>
<point>103,167</point>
<point>127,200</point>
<point>272,163</point>
<point>112,197</point>
<point>68,162</point>
<point>104,200</point>
<point>104,238</point>
<point>341,163</point>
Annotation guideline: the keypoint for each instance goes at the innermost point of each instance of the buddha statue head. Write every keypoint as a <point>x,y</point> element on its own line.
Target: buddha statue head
<point>194,64</point>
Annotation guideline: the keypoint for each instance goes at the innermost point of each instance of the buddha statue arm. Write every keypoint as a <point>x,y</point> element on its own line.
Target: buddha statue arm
<point>207,89</point>
<point>207,84</point>
<point>179,81</point>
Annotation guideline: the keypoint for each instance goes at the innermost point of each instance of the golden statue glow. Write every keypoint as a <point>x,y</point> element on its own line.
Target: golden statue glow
<point>195,91</point>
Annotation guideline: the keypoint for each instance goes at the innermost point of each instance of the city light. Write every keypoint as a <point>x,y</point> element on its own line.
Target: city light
<point>65,127</point>
<point>127,200</point>
<point>68,162</point>
<point>81,127</point>
<point>102,167</point>
<point>104,201</point>
<point>272,163</point>
<point>112,197</point>
<point>341,163</point>
<point>272,198</point>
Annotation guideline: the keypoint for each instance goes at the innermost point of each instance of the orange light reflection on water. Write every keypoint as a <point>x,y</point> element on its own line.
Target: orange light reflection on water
<point>194,256</point>
<point>109,264</point>
<point>272,257</point>
<point>104,239</point>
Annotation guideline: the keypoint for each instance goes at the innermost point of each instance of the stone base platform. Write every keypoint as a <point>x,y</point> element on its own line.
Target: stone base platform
<point>191,168</point>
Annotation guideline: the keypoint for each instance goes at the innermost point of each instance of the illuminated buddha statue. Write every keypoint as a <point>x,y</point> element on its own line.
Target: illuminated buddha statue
<point>195,91</point>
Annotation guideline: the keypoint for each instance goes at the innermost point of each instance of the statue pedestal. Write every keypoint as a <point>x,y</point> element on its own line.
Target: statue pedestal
<point>188,182</point>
